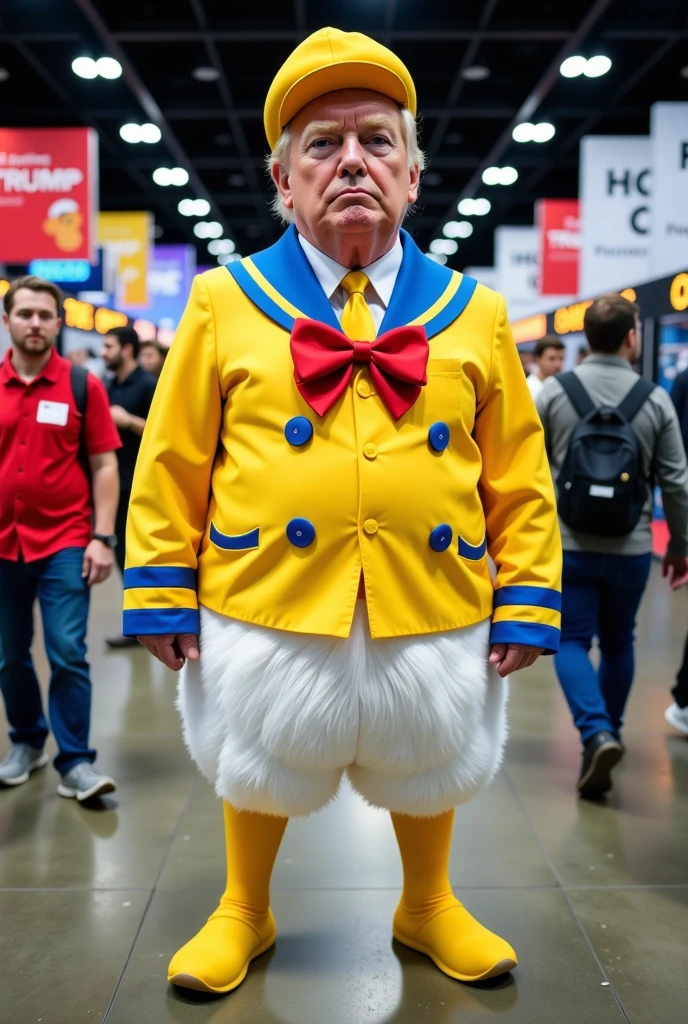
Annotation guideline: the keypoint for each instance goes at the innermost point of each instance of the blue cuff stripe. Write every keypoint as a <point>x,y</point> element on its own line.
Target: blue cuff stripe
<point>234,542</point>
<point>154,621</point>
<point>163,576</point>
<point>531,633</point>
<point>467,550</point>
<point>539,597</point>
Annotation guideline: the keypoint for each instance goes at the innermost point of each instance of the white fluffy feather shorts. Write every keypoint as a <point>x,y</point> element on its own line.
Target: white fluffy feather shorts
<point>273,719</point>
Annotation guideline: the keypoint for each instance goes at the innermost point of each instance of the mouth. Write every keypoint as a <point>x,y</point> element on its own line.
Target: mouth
<point>353,192</point>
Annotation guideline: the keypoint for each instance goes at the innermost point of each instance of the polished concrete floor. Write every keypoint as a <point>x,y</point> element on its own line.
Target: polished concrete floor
<point>594,897</point>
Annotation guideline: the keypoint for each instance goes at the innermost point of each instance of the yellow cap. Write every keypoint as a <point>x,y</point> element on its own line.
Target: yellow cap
<point>329,60</point>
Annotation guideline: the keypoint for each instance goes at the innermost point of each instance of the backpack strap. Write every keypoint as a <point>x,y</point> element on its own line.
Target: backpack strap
<point>78,377</point>
<point>79,381</point>
<point>576,393</point>
<point>635,399</point>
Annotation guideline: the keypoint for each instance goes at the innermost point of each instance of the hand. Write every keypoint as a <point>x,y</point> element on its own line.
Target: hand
<point>675,568</point>
<point>97,564</point>
<point>508,658</point>
<point>120,417</point>
<point>172,649</point>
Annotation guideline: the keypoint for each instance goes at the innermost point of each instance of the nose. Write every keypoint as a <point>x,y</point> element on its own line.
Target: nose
<point>352,157</point>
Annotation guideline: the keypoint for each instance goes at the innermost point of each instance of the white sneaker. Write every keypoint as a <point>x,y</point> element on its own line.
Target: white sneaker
<point>84,782</point>
<point>677,718</point>
<point>19,762</point>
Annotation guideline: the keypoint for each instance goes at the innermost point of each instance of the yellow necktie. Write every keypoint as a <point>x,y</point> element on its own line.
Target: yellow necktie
<point>357,320</point>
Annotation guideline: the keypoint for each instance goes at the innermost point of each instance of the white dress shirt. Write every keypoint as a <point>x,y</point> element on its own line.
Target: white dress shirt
<point>535,384</point>
<point>382,275</point>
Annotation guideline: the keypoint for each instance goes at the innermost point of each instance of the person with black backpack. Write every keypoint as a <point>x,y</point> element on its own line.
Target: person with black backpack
<point>610,436</point>
<point>58,498</point>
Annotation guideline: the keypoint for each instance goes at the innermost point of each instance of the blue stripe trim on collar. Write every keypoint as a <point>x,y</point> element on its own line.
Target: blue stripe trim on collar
<point>454,308</point>
<point>419,284</point>
<point>258,297</point>
<point>285,265</point>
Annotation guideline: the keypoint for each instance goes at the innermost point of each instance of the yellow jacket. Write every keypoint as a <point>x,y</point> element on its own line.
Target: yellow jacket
<point>272,524</point>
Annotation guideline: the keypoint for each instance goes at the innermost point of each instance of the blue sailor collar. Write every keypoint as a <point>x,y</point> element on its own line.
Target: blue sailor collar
<point>281,283</point>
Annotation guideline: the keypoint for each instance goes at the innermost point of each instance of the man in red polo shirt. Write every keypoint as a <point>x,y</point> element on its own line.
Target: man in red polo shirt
<point>56,538</point>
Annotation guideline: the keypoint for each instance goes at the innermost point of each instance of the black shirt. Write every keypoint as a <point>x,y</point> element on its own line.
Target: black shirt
<point>134,394</point>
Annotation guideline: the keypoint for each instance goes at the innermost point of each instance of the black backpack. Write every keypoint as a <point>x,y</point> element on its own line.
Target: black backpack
<point>602,486</point>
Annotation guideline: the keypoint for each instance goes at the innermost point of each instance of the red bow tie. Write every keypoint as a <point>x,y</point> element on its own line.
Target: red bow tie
<point>324,362</point>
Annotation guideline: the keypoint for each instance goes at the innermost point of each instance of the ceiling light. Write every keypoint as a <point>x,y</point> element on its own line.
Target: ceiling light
<point>232,257</point>
<point>457,229</point>
<point>201,208</point>
<point>186,207</point>
<point>131,132</point>
<point>221,247</point>
<point>444,246</point>
<point>523,132</point>
<point>205,74</point>
<point>466,207</point>
<point>573,67</point>
<point>683,72</point>
<point>543,132</point>
<point>161,176</point>
<point>108,67</point>
<point>492,175</point>
<point>597,66</point>
<point>432,178</point>
<point>481,207</point>
<point>438,257</point>
<point>157,231</point>
<point>178,176</point>
<point>4,74</point>
<point>208,229</point>
<point>150,133</point>
<point>500,175</point>
<point>85,67</point>
<point>475,73</point>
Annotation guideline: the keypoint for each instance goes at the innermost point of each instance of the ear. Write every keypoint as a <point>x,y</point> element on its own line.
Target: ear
<point>414,183</point>
<point>281,179</point>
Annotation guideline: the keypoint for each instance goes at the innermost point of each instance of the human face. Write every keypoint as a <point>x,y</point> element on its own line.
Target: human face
<point>33,322</point>
<point>151,359</point>
<point>111,353</point>
<point>551,362</point>
<point>349,177</point>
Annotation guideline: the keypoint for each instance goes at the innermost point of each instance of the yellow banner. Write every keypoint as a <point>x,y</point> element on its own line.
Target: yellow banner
<point>126,239</point>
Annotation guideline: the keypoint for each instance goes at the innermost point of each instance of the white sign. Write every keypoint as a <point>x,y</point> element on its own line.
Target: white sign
<point>484,275</point>
<point>669,131</point>
<point>615,192</point>
<point>516,263</point>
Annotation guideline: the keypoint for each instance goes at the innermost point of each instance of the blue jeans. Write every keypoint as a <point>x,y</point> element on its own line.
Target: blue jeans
<point>64,598</point>
<point>600,598</point>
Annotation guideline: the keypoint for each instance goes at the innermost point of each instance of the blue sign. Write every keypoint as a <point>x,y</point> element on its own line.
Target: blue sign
<point>69,273</point>
<point>171,270</point>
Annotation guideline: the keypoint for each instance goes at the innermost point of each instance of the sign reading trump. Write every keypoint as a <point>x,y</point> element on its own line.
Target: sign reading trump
<point>48,193</point>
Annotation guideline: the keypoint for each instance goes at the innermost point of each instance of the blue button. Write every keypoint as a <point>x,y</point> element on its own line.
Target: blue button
<point>301,532</point>
<point>298,431</point>
<point>438,436</point>
<point>441,537</point>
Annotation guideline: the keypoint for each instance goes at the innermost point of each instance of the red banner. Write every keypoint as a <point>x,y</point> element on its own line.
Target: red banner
<point>558,223</point>
<point>48,193</point>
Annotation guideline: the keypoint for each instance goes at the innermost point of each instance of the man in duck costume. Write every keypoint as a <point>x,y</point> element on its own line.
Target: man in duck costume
<point>341,435</point>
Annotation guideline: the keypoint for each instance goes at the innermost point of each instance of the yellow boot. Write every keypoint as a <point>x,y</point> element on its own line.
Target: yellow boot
<point>429,918</point>
<point>242,927</point>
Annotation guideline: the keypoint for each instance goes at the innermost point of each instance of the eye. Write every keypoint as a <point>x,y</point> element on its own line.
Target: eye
<point>379,140</point>
<point>321,143</point>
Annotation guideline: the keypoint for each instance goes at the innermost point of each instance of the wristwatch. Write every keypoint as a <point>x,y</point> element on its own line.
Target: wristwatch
<point>106,538</point>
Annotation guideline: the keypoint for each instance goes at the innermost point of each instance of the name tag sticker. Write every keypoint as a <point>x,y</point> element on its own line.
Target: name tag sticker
<point>53,412</point>
<point>601,492</point>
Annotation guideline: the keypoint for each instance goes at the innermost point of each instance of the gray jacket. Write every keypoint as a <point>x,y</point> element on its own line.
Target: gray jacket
<point>608,379</point>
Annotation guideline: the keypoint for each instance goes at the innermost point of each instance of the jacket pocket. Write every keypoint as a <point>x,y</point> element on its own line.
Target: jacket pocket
<point>236,541</point>
<point>446,367</point>
<point>471,552</point>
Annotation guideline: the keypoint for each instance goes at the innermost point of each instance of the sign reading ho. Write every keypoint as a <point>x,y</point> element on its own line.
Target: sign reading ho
<point>615,191</point>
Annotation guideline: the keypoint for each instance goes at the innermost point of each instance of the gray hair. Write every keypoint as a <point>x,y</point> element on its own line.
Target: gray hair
<point>282,152</point>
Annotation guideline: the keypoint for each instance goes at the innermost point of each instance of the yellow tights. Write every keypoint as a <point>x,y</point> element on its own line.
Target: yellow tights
<point>429,918</point>
<point>242,927</point>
